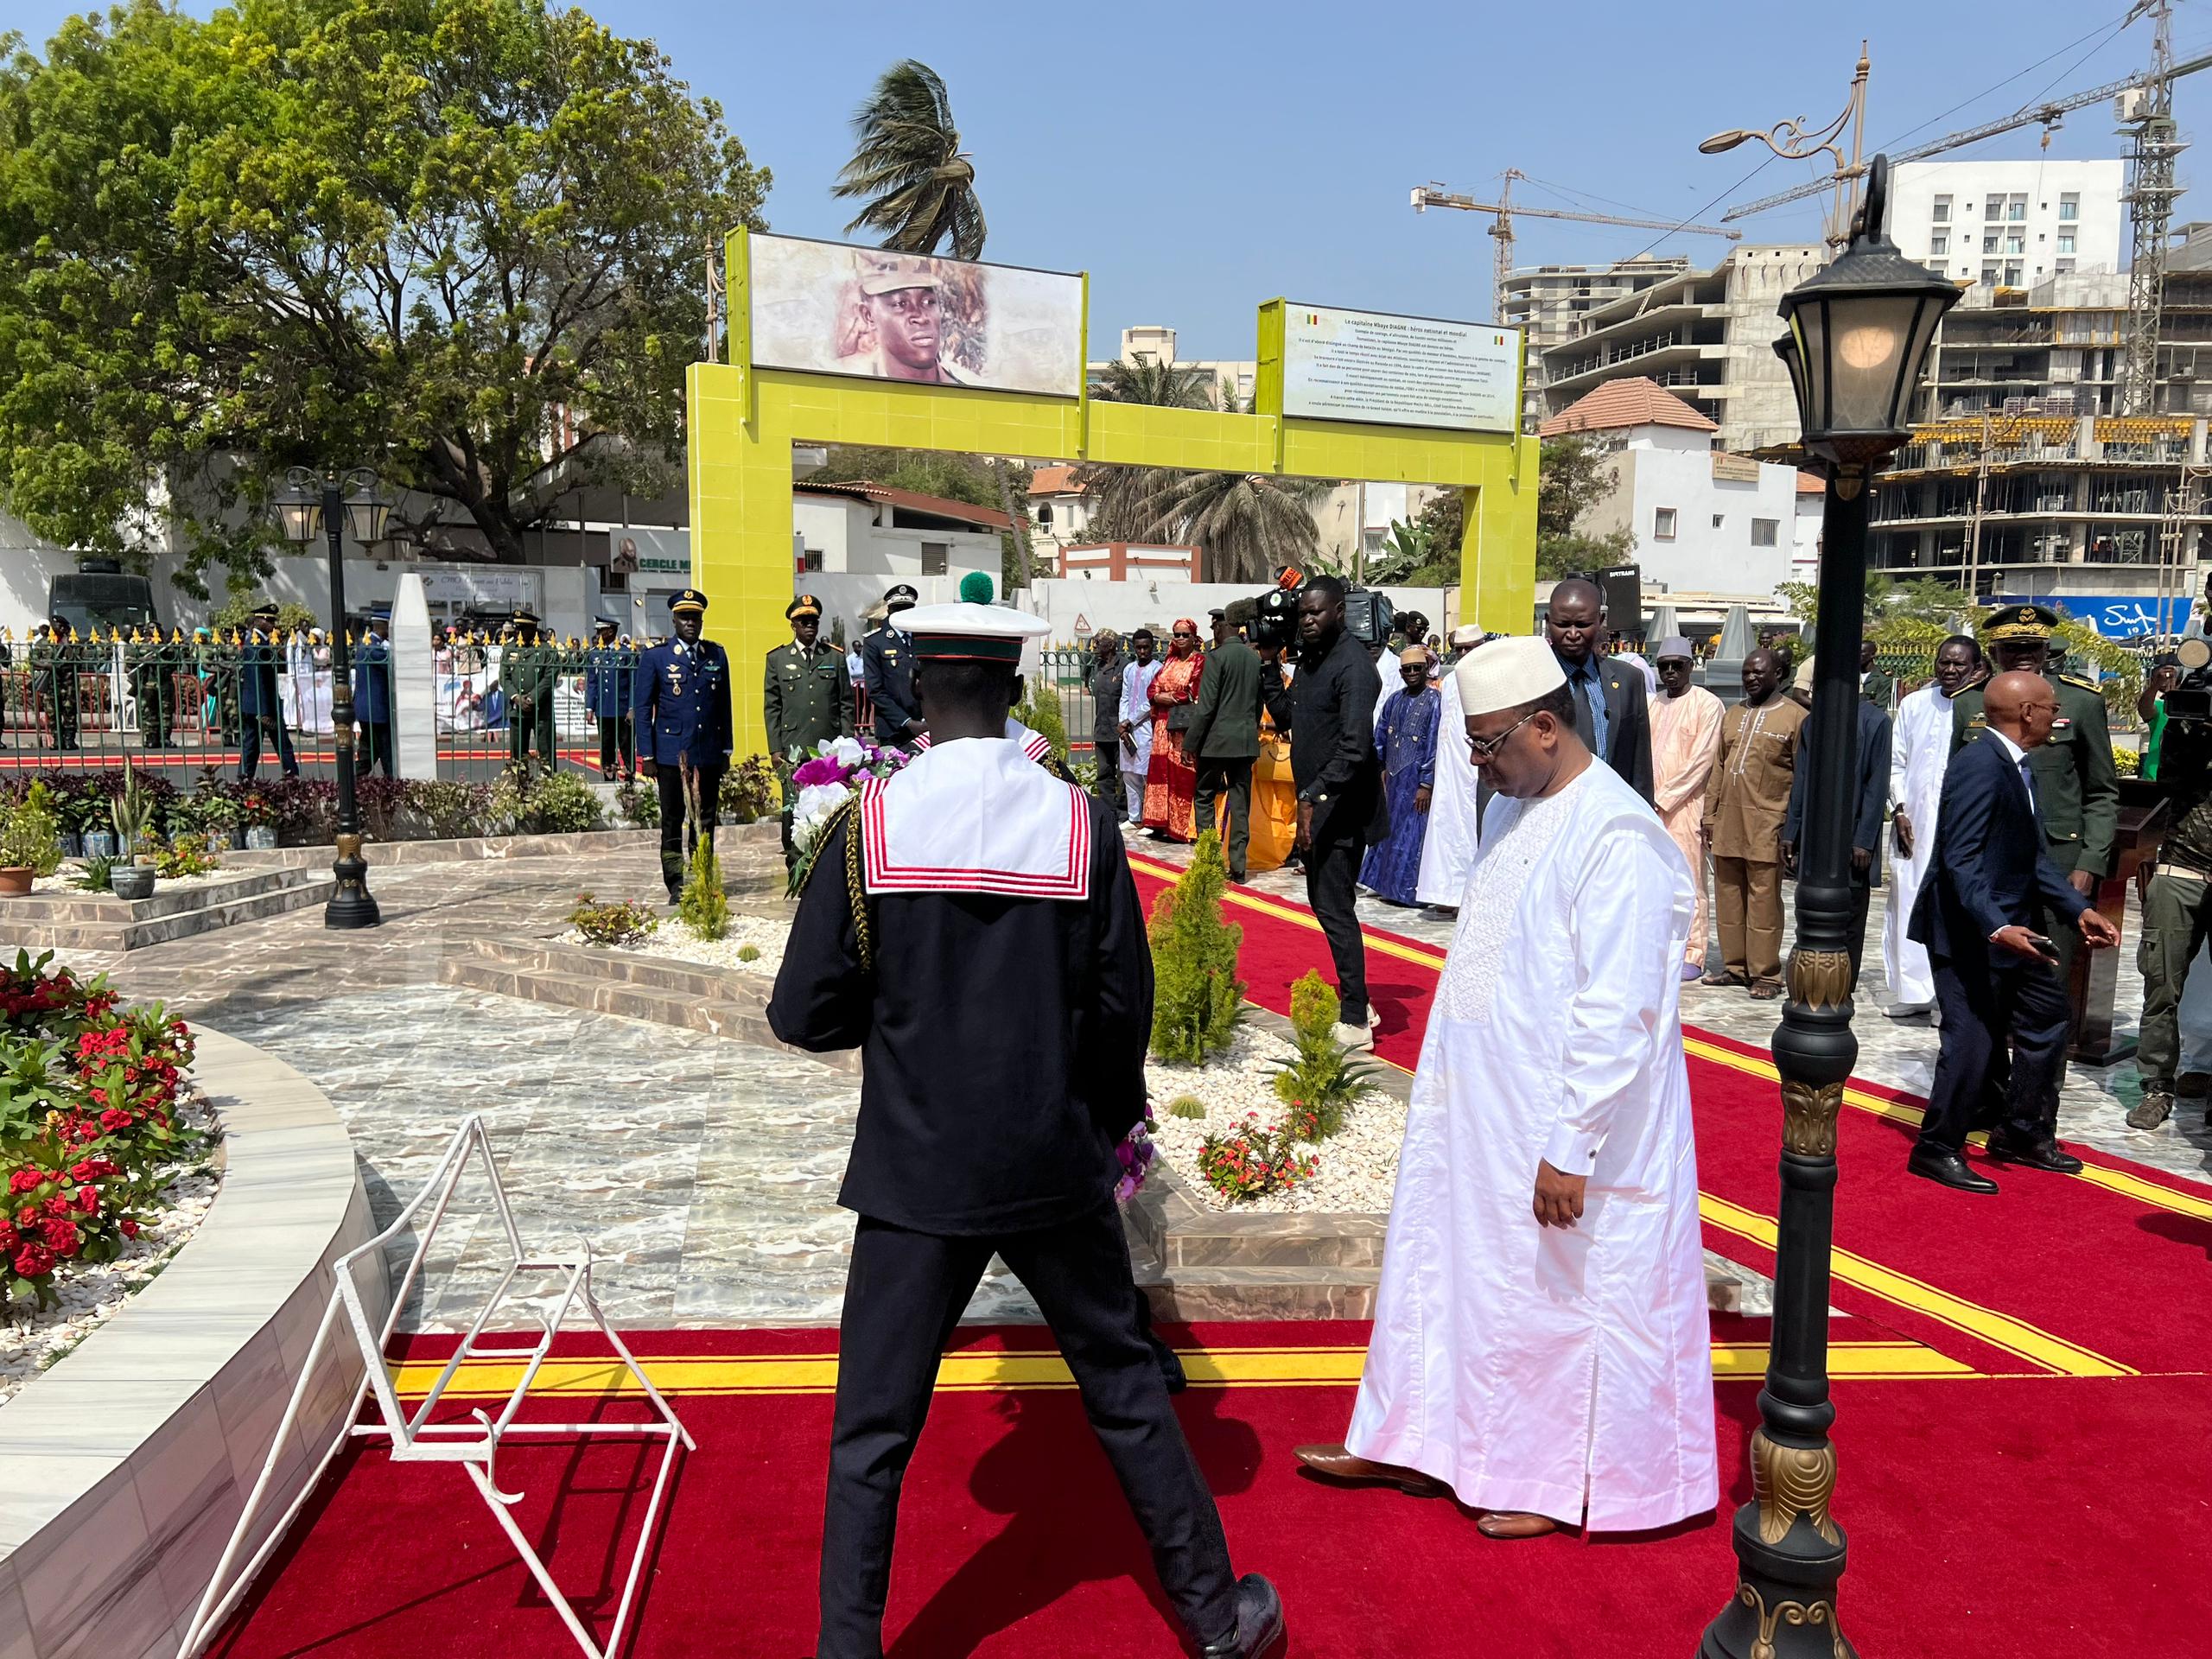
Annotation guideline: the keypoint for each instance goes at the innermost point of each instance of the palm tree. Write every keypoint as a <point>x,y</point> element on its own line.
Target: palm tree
<point>1249,523</point>
<point>1148,380</point>
<point>908,166</point>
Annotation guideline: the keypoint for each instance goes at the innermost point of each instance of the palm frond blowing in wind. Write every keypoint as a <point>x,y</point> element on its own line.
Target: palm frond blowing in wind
<point>908,168</point>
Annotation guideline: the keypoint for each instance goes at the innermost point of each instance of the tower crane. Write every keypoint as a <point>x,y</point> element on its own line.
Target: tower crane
<point>1427,196</point>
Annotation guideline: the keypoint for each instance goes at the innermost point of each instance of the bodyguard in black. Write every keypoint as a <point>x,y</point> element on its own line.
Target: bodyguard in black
<point>1002,1010</point>
<point>1329,710</point>
<point>1107,669</point>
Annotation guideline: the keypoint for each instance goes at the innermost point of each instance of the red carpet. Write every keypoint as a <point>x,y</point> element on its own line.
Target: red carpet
<point>1987,1518</point>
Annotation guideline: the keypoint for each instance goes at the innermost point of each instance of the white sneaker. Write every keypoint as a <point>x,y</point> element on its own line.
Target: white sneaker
<point>1361,1038</point>
<point>1907,1010</point>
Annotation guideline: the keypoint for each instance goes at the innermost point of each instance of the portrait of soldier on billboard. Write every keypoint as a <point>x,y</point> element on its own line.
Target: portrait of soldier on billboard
<point>905,317</point>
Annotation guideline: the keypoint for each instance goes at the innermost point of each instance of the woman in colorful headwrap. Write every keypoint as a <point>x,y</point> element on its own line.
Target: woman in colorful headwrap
<point>1170,785</point>
<point>1405,738</point>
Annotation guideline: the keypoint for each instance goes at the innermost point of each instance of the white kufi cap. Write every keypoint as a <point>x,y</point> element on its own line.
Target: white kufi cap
<point>1506,673</point>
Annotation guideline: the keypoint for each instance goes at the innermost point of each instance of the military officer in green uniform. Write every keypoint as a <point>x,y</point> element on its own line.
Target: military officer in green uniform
<point>806,697</point>
<point>529,665</point>
<point>2077,789</point>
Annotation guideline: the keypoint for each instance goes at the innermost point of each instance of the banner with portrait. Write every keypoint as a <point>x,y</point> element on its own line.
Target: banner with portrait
<point>824,308</point>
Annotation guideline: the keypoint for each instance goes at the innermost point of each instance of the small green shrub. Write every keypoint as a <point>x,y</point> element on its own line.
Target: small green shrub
<point>620,923</point>
<point>559,803</point>
<point>748,953</point>
<point>97,876</point>
<point>1187,1106</point>
<point>1250,1160</point>
<point>32,834</point>
<point>1196,997</point>
<point>703,907</point>
<point>751,790</point>
<point>188,856</point>
<point>1040,710</point>
<point>448,807</point>
<point>1323,1081</point>
<point>640,808</point>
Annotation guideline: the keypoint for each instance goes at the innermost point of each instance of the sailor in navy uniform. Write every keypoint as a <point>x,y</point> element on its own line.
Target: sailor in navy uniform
<point>679,704</point>
<point>970,925</point>
<point>888,672</point>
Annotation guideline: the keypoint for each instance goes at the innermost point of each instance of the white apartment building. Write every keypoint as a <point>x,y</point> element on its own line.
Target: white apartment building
<point>2009,224</point>
<point>1704,521</point>
<point>1152,342</point>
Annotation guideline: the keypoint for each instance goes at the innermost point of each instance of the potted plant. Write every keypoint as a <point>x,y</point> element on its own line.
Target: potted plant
<point>217,817</point>
<point>67,794</point>
<point>259,814</point>
<point>132,813</point>
<point>30,843</point>
<point>88,814</point>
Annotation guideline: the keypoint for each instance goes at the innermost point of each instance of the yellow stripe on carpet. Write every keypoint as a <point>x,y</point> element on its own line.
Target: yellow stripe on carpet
<point>974,1373</point>
<point>2030,1342</point>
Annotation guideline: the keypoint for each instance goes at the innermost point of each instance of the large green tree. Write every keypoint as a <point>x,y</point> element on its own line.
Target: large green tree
<point>1571,478</point>
<point>460,240</point>
<point>916,185</point>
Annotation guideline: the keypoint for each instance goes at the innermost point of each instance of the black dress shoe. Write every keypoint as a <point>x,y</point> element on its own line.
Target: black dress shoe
<point>2035,1154</point>
<point>1949,1169</point>
<point>1260,1629</point>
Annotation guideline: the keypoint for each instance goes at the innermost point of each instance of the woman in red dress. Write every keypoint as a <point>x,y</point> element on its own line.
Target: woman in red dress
<point>1170,785</point>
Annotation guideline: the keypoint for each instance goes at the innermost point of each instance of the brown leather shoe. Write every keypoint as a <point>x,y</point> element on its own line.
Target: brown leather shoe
<point>1514,1523</point>
<point>1334,1463</point>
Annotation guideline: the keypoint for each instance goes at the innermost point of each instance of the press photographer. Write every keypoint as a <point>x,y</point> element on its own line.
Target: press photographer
<point>2176,892</point>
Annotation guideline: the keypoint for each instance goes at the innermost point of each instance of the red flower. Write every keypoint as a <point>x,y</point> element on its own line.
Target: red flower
<point>56,1206</point>
<point>24,1179</point>
<point>32,1260</point>
<point>61,1236</point>
<point>9,1237</point>
<point>88,1201</point>
<point>130,1227</point>
<point>114,1118</point>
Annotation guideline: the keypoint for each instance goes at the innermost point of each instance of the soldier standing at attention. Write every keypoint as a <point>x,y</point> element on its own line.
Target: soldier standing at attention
<point>888,672</point>
<point>526,676</point>
<point>2078,788</point>
<point>679,703</point>
<point>259,704</point>
<point>372,692</point>
<point>607,700</point>
<point>805,698</point>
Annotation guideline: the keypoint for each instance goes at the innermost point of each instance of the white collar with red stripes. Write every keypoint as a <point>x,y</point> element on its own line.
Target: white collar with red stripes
<point>976,816</point>
<point>1035,745</point>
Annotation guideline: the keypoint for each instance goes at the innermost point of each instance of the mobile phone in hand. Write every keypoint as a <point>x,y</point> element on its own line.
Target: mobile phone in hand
<point>2044,947</point>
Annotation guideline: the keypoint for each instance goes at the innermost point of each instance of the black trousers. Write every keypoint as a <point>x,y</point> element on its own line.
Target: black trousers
<point>1230,776</point>
<point>376,746</point>
<point>249,747</point>
<point>1862,895</point>
<point>616,740</point>
<point>526,726</point>
<point>1108,752</point>
<point>674,845</point>
<point>1990,1011</point>
<point>904,1294</point>
<point>1333,889</point>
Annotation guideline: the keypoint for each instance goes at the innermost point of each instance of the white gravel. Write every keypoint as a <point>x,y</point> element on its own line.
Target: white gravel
<point>675,940</point>
<point>64,881</point>
<point>91,1295</point>
<point>1356,1167</point>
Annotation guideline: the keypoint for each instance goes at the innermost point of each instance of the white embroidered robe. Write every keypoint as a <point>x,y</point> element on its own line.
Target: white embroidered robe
<point>1447,852</point>
<point>1563,1372</point>
<point>1136,748</point>
<point>1919,751</point>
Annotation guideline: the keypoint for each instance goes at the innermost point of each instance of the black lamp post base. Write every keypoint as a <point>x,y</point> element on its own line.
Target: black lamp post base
<point>351,905</point>
<point>1784,1604</point>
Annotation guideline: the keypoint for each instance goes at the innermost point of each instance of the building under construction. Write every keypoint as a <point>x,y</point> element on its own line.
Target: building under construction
<point>2027,475</point>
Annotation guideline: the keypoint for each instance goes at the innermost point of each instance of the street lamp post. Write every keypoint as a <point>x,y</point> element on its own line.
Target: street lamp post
<point>1859,333</point>
<point>334,502</point>
<point>1791,142</point>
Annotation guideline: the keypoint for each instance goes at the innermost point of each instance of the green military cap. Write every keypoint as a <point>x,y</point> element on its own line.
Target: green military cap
<point>804,604</point>
<point>2017,622</point>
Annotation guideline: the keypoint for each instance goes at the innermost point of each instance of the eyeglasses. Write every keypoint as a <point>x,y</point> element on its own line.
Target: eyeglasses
<point>1482,749</point>
<point>1183,633</point>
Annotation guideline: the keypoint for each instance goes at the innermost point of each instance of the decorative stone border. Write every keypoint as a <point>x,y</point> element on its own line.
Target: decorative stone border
<point>472,848</point>
<point>103,922</point>
<point>128,1463</point>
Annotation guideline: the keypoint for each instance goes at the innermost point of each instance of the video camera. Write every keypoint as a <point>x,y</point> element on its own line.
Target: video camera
<point>2191,699</point>
<point>1270,619</point>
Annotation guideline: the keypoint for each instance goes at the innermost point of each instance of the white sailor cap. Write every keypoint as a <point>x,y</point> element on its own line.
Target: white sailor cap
<point>974,633</point>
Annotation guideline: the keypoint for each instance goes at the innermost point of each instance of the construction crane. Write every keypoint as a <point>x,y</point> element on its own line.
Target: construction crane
<point>2144,105</point>
<point>1427,196</point>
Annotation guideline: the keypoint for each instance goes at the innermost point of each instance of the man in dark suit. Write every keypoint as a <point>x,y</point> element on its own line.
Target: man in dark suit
<point>887,673</point>
<point>1224,737</point>
<point>1870,810</point>
<point>1611,702</point>
<point>679,704</point>
<point>1106,669</point>
<point>1328,711</point>
<point>1991,892</point>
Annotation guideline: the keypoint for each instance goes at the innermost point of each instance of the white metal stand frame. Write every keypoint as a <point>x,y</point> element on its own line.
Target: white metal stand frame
<point>475,1446</point>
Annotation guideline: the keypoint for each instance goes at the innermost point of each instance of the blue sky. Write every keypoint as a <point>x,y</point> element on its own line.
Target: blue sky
<point>1199,158</point>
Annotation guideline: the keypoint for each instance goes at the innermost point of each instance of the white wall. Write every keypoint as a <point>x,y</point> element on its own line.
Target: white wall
<point>1970,184</point>
<point>844,531</point>
<point>1651,474</point>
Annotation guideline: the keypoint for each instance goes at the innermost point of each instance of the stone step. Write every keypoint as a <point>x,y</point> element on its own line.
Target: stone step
<point>124,925</point>
<point>1264,1293</point>
<point>70,905</point>
<point>693,980</point>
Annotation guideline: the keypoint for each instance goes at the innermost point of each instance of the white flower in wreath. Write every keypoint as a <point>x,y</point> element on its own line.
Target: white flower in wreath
<point>847,750</point>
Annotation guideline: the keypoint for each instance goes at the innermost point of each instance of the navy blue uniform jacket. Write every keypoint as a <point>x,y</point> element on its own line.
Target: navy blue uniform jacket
<point>679,703</point>
<point>1990,869</point>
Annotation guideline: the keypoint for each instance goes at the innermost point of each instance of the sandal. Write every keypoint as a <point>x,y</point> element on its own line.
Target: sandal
<point>1765,991</point>
<point>1723,979</point>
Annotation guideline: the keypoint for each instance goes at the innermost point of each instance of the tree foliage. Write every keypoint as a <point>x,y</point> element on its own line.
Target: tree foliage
<point>1162,385</point>
<point>459,240</point>
<point>1573,477</point>
<point>908,168</point>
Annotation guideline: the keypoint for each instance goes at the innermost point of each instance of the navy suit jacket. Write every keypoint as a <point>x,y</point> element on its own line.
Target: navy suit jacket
<point>1873,800</point>
<point>1989,869</point>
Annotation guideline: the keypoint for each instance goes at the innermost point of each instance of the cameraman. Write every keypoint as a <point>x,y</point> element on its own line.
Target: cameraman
<point>1328,709</point>
<point>2176,892</point>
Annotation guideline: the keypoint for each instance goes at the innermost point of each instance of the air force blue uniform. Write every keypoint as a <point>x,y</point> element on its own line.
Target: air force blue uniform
<point>372,701</point>
<point>679,703</point>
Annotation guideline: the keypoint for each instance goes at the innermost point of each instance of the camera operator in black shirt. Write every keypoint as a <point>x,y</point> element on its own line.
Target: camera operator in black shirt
<point>2176,892</point>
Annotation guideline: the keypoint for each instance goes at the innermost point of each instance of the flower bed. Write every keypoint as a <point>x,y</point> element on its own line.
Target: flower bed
<point>1354,1170</point>
<point>675,940</point>
<point>103,1155</point>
